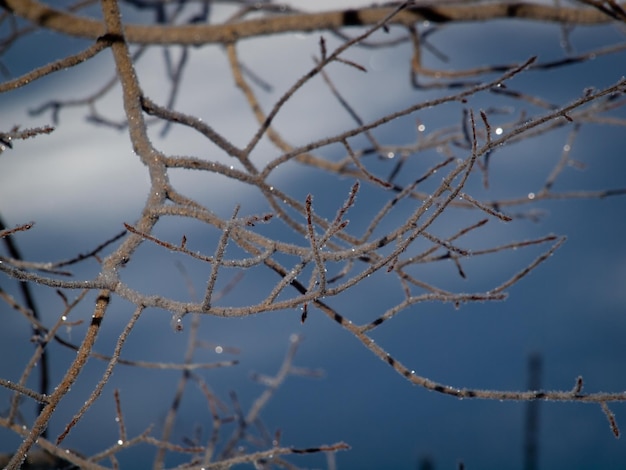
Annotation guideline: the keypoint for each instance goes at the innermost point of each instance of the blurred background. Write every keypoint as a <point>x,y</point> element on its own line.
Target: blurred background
<point>82,182</point>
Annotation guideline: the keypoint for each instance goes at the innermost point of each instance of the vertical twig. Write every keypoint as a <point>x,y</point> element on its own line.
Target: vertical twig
<point>531,429</point>
<point>217,259</point>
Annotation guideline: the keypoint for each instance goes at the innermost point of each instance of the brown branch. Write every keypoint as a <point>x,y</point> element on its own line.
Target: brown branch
<point>66,383</point>
<point>105,376</point>
<point>61,64</point>
<point>74,25</point>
